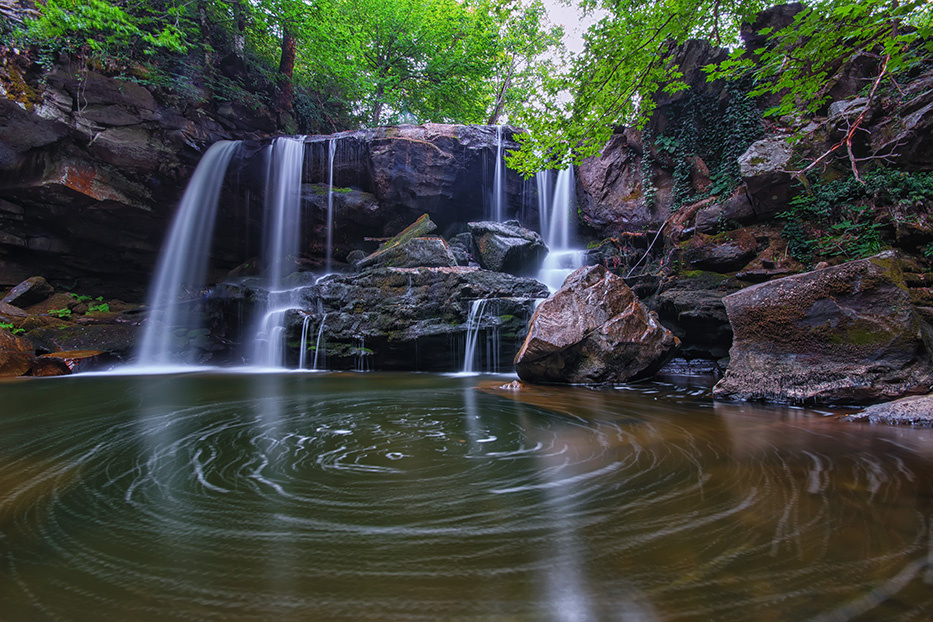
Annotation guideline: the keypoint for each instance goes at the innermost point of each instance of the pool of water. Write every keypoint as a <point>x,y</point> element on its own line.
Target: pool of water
<point>426,497</point>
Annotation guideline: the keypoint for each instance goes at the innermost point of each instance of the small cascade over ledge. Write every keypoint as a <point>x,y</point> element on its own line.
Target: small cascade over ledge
<point>557,228</point>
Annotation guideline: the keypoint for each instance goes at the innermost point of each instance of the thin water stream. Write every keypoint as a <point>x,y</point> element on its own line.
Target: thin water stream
<point>299,496</point>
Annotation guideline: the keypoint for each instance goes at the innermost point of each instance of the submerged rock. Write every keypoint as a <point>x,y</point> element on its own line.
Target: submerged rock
<point>507,247</point>
<point>844,334</point>
<point>593,329</point>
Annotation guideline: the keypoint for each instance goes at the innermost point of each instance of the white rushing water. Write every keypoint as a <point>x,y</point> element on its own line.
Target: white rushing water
<point>331,151</point>
<point>280,249</point>
<point>498,183</point>
<point>183,261</point>
<point>557,229</point>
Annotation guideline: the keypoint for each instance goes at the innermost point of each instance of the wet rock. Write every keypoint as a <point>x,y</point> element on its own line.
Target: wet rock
<point>117,339</point>
<point>79,360</point>
<point>915,411</point>
<point>46,367</point>
<point>507,247</point>
<point>722,216</point>
<point>725,252</point>
<point>414,253</point>
<point>12,315</point>
<point>691,307</point>
<point>610,188</point>
<point>593,330</point>
<point>392,249</point>
<point>764,168</point>
<point>408,317</point>
<point>461,245</point>
<point>31,291</point>
<point>16,355</point>
<point>845,334</point>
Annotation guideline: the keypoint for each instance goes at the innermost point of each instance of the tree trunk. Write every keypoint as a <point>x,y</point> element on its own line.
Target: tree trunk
<point>287,69</point>
<point>239,35</point>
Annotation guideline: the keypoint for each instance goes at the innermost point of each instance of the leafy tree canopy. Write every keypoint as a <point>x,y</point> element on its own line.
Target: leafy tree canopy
<point>627,61</point>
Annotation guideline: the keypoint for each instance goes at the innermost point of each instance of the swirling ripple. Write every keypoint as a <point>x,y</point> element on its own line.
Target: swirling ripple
<point>421,497</point>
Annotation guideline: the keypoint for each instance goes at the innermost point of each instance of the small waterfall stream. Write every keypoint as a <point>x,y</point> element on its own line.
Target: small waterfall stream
<point>331,151</point>
<point>557,229</point>
<point>183,262</point>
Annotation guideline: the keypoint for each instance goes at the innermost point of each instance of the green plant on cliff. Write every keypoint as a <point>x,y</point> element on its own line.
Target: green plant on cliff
<point>848,218</point>
<point>8,326</point>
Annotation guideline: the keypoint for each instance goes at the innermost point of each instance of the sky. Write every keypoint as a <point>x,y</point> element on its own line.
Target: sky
<point>574,24</point>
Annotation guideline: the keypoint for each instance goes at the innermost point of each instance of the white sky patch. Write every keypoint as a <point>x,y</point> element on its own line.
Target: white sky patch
<point>573,21</point>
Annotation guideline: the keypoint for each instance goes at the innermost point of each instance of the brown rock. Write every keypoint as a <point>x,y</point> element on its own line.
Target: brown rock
<point>16,355</point>
<point>593,329</point>
<point>725,252</point>
<point>29,292</point>
<point>844,334</point>
<point>49,367</point>
<point>76,360</point>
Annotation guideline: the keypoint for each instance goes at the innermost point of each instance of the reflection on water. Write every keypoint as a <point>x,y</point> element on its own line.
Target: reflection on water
<point>421,497</point>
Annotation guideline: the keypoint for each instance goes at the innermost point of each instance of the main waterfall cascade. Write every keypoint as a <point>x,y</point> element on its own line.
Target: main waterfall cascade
<point>284,331</point>
<point>182,265</point>
<point>280,247</point>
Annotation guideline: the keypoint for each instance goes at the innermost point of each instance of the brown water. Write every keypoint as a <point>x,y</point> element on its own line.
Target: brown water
<point>423,497</point>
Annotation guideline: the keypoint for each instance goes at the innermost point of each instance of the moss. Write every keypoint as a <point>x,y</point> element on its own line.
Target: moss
<point>19,91</point>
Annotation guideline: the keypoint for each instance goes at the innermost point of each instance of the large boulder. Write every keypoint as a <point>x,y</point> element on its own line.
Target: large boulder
<point>610,188</point>
<point>507,247</point>
<point>593,330</point>
<point>844,334</point>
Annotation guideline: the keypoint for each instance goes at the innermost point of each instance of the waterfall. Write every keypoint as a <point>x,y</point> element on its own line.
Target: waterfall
<point>498,196</point>
<point>544,183</point>
<point>281,245</point>
<point>317,345</point>
<point>561,259</point>
<point>303,345</point>
<point>183,261</point>
<point>331,150</point>
<point>477,307</point>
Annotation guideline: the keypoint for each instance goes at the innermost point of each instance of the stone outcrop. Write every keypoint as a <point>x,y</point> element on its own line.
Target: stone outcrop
<point>765,169</point>
<point>593,330</point>
<point>914,411</point>
<point>507,247</point>
<point>397,318</point>
<point>844,334</point>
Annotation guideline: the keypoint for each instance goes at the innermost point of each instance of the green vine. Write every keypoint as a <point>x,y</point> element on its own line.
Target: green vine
<point>699,127</point>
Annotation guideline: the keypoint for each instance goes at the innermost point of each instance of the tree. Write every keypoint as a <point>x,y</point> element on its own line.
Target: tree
<point>627,61</point>
<point>526,41</point>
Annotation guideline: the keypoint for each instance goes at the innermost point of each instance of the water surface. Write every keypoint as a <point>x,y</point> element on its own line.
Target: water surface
<point>424,497</point>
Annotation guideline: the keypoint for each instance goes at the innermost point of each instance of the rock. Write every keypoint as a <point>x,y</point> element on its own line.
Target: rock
<point>16,355</point>
<point>420,228</point>
<point>610,188</point>
<point>722,253</point>
<point>12,315</point>
<point>401,318</point>
<point>117,339</point>
<point>46,367</point>
<point>78,360</point>
<point>764,169</point>
<point>53,303</point>
<point>413,253</point>
<point>915,411</point>
<point>734,211</point>
<point>845,334</point>
<point>461,245</point>
<point>507,247</point>
<point>691,307</point>
<point>592,330</point>
<point>31,291</point>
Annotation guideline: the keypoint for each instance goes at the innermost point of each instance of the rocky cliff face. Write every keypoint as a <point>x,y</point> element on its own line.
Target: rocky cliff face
<point>92,167</point>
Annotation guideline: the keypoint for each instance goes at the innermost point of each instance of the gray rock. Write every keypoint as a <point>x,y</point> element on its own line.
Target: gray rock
<point>915,411</point>
<point>507,247</point>
<point>764,169</point>
<point>846,334</point>
<point>414,253</point>
<point>593,330</point>
<point>734,211</point>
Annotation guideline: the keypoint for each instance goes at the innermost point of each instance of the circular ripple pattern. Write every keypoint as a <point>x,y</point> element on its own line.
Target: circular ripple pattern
<point>418,497</point>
